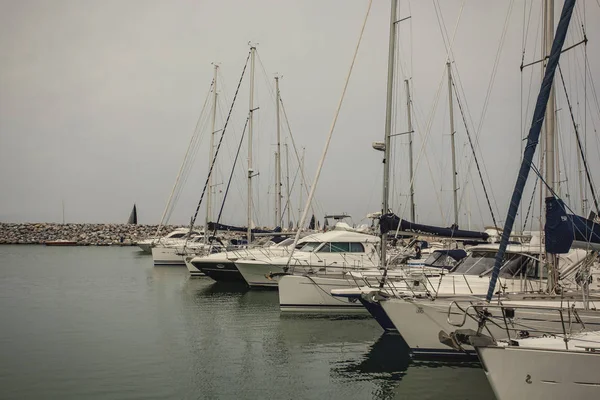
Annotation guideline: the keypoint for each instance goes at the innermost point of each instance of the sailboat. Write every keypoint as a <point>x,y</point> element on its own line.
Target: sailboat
<point>302,292</point>
<point>133,218</point>
<point>172,253</point>
<point>562,362</point>
<point>423,323</point>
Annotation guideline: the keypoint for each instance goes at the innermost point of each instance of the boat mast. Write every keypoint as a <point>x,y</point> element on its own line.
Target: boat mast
<point>410,153</point>
<point>388,125</point>
<point>250,126</point>
<point>550,128</point>
<point>211,151</point>
<point>533,138</point>
<point>278,160</point>
<point>451,110</point>
<point>287,182</point>
<point>301,186</point>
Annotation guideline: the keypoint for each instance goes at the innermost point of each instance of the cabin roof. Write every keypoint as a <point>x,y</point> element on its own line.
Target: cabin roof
<point>339,235</point>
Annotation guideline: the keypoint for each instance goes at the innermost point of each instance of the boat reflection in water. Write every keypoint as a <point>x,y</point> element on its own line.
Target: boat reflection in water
<point>388,365</point>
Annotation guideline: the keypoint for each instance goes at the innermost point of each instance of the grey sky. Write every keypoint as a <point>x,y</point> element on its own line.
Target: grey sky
<point>98,101</point>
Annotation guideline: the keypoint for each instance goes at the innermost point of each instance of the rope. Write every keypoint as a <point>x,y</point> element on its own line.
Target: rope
<point>331,129</point>
<point>585,165</point>
<point>298,158</point>
<point>429,123</point>
<point>489,90</point>
<point>487,197</point>
<point>217,149</point>
<point>530,203</point>
<point>231,176</point>
<point>183,164</point>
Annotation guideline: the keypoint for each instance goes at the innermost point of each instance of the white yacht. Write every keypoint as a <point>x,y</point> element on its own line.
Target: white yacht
<point>424,311</point>
<point>560,362</point>
<point>180,233</point>
<point>546,367</point>
<point>311,293</point>
<point>221,266</point>
<point>336,251</point>
<point>173,252</point>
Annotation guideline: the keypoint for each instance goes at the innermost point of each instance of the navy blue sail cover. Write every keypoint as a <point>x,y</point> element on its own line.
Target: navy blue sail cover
<point>565,231</point>
<point>389,222</point>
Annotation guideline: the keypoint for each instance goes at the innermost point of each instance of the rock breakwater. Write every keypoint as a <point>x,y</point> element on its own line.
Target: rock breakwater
<point>83,234</point>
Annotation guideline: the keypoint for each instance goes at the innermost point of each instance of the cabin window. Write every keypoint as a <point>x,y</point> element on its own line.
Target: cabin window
<point>521,265</point>
<point>177,235</point>
<point>439,259</point>
<point>326,248</point>
<point>357,247</point>
<point>310,246</point>
<point>340,247</point>
<point>477,263</point>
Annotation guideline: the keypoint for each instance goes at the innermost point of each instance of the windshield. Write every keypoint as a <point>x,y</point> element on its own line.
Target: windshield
<point>442,260</point>
<point>513,265</point>
<point>285,242</point>
<point>476,263</point>
<point>309,247</point>
<point>432,258</point>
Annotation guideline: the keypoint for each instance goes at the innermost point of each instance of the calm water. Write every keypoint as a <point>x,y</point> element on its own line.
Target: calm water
<point>101,322</point>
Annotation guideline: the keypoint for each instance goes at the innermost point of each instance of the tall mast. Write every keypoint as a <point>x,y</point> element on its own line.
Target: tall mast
<point>250,126</point>
<point>451,110</point>
<point>211,155</point>
<point>550,129</point>
<point>301,187</point>
<point>388,125</point>
<point>551,108</point>
<point>410,153</point>
<point>278,160</point>
<point>287,183</point>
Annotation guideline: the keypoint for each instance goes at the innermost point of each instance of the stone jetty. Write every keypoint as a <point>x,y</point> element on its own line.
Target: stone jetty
<point>83,234</point>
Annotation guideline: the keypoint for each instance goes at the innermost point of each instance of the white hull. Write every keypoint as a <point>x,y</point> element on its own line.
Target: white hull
<point>191,268</point>
<point>526,373</point>
<point>420,321</point>
<point>146,247</point>
<point>312,294</point>
<point>167,256</point>
<point>255,273</point>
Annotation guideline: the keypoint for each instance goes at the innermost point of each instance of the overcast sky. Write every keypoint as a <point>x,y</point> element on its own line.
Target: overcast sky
<point>99,100</point>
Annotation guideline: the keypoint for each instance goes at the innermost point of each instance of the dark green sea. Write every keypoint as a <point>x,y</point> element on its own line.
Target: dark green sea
<point>103,323</point>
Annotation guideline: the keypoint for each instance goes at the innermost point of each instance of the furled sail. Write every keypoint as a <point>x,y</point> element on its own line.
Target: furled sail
<point>390,222</point>
<point>565,231</point>
<point>133,216</point>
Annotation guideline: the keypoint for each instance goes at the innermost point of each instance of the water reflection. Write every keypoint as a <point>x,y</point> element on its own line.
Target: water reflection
<point>239,343</point>
<point>210,287</point>
<point>388,365</point>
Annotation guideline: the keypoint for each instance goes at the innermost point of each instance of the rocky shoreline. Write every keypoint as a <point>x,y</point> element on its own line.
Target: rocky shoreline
<point>82,234</point>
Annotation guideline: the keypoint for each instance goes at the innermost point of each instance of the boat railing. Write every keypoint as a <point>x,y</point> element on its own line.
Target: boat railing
<point>505,318</point>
